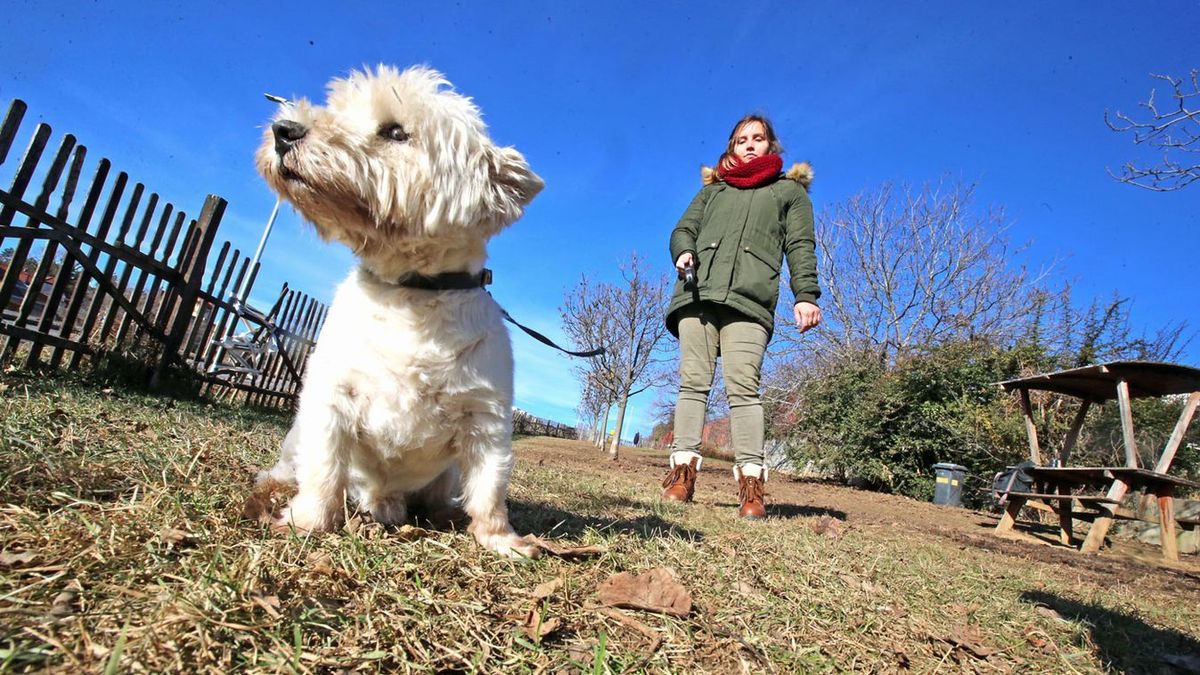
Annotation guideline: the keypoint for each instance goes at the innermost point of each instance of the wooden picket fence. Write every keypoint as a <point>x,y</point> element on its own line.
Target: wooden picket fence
<point>525,424</point>
<point>119,273</point>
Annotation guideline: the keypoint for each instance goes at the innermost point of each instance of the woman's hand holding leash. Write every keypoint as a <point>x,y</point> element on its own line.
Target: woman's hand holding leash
<point>808,315</point>
<point>686,259</point>
<point>687,271</point>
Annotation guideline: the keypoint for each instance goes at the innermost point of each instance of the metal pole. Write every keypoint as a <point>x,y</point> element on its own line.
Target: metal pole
<point>248,282</point>
<point>238,300</point>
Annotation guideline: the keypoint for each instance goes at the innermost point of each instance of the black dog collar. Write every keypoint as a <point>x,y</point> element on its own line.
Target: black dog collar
<point>458,281</point>
<point>446,281</point>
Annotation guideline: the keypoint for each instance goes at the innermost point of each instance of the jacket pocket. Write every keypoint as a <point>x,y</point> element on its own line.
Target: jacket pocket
<point>758,275</point>
<point>704,258</point>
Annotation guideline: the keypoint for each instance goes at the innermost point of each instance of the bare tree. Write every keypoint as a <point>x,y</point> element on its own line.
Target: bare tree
<point>1073,335</point>
<point>594,404</point>
<point>1173,130</point>
<point>585,427</point>
<point>627,319</point>
<point>905,268</point>
<point>586,323</point>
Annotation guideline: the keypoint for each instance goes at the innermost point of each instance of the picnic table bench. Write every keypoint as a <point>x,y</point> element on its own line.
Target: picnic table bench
<point>1100,490</point>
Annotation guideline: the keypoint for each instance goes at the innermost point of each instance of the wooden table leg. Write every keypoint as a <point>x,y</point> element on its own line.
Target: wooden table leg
<point>1095,537</point>
<point>1065,517</point>
<point>1010,514</point>
<point>1166,520</point>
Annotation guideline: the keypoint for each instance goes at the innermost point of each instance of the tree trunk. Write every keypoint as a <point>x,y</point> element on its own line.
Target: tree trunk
<point>595,430</point>
<point>616,441</point>
<point>603,427</point>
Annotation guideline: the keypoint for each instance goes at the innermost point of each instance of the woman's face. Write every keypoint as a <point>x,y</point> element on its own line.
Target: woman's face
<point>750,141</point>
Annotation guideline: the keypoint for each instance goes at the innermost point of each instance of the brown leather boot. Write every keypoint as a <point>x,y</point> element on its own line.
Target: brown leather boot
<point>751,491</point>
<point>680,483</point>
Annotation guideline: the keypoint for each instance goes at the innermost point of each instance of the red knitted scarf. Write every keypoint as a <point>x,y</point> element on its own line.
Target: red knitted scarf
<point>756,172</point>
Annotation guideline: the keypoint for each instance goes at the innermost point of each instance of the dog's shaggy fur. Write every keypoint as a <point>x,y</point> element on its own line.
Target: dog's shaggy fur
<point>408,394</point>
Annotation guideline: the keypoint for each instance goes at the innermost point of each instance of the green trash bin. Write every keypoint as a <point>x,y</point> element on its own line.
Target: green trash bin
<point>947,488</point>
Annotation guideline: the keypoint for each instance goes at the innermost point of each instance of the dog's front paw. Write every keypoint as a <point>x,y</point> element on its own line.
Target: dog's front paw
<point>390,511</point>
<point>307,515</point>
<point>509,544</point>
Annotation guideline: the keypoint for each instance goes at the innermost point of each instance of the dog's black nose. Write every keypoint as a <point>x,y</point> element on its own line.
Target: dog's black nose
<point>287,133</point>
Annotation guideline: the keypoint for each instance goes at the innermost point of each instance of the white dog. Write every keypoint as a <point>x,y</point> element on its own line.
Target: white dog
<point>408,394</point>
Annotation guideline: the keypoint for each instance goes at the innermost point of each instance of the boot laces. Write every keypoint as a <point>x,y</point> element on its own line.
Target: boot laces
<point>750,489</point>
<point>682,473</point>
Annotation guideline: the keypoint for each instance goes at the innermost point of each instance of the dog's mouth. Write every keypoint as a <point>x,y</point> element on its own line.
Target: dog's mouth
<point>288,174</point>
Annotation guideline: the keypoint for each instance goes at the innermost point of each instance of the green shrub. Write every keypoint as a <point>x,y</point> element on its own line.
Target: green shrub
<point>883,426</point>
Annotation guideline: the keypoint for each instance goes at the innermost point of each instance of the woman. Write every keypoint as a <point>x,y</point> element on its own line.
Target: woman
<point>746,219</point>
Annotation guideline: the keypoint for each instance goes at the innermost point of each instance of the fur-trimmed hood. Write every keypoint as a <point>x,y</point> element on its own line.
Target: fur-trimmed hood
<point>801,172</point>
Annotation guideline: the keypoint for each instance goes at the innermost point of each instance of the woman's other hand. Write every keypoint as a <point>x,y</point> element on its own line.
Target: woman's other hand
<point>807,314</point>
<point>685,259</point>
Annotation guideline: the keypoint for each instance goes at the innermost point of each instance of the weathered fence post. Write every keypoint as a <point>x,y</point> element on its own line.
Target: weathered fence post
<point>192,270</point>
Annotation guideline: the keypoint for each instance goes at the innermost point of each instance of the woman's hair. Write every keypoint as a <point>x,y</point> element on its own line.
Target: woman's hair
<point>773,145</point>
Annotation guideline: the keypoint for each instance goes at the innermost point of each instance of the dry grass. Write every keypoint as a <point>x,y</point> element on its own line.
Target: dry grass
<point>124,550</point>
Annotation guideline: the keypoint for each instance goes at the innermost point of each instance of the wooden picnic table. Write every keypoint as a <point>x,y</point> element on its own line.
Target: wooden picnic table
<point>1096,493</point>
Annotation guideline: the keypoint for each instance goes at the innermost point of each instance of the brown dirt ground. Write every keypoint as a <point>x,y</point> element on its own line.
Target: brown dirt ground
<point>790,497</point>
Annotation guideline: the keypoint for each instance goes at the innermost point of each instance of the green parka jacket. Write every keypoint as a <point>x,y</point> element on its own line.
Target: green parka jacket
<point>739,237</point>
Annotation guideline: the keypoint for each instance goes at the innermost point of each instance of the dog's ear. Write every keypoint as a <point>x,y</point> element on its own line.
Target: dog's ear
<point>511,183</point>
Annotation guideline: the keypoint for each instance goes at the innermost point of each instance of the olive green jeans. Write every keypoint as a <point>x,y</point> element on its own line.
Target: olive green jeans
<point>707,330</point>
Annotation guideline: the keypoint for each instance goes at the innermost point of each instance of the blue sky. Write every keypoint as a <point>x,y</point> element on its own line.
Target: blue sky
<point>616,105</point>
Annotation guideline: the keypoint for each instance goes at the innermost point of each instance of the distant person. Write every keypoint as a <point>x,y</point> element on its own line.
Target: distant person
<point>727,248</point>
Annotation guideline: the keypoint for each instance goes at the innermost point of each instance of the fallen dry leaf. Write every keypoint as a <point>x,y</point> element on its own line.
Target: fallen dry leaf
<point>411,533</point>
<point>66,603</point>
<point>537,628</point>
<point>320,562</point>
<point>17,559</point>
<point>866,585</point>
<point>828,526</point>
<point>354,524</point>
<point>547,589</point>
<point>622,618</point>
<point>962,608</point>
<point>1039,640</point>
<point>535,625</point>
<point>176,538</point>
<point>556,549</point>
<point>969,639</point>
<point>1048,612</point>
<point>582,650</point>
<point>269,603</point>
<point>372,530</point>
<point>63,604</point>
<point>654,591</point>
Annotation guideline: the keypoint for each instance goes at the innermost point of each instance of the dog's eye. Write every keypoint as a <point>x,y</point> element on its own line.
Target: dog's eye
<point>394,132</point>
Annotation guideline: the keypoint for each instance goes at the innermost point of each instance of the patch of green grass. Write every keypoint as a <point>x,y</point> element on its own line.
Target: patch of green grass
<point>123,512</point>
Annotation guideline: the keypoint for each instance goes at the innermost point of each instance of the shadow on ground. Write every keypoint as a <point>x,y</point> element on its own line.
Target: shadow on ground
<point>547,520</point>
<point>1124,642</point>
<point>800,511</point>
<point>777,510</point>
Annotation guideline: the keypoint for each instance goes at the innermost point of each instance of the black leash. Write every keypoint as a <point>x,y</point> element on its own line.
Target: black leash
<point>455,281</point>
<point>547,341</point>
